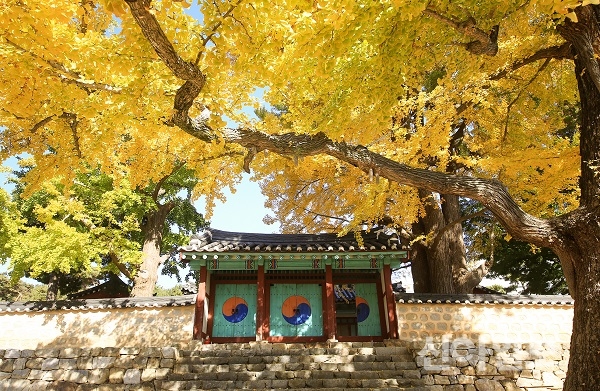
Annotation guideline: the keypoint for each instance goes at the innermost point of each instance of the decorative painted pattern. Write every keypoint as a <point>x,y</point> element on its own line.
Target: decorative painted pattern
<point>235,309</point>
<point>362,309</point>
<point>296,310</point>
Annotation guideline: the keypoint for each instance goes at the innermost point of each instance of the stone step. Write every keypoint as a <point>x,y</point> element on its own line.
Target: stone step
<point>267,350</point>
<point>158,385</point>
<point>289,384</point>
<point>182,368</point>
<point>411,376</point>
<point>240,361</point>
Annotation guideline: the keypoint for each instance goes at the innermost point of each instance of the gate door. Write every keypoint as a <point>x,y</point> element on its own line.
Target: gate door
<point>367,310</point>
<point>234,310</point>
<point>296,310</point>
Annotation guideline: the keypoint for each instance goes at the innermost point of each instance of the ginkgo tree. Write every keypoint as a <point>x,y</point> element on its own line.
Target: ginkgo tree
<point>144,83</point>
<point>71,235</point>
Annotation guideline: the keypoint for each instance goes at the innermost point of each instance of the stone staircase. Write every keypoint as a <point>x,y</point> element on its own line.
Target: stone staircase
<point>334,366</point>
<point>238,366</point>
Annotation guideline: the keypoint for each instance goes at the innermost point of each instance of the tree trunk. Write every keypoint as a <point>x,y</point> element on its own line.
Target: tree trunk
<point>584,361</point>
<point>145,279</point>
<point>52,292</point>
<point>419,264</point>
<point>581,259</point>
<point>440,262</point>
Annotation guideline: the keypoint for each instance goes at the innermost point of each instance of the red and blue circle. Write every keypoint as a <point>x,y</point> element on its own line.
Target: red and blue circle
<point>362,309</point>
<point>296,310</point>
<point>235,309</point>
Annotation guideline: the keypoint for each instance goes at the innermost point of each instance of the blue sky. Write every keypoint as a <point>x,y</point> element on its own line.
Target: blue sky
<point>242,212</point>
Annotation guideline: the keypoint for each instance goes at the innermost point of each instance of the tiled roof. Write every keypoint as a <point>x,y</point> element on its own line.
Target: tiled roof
<point>213,240</point>
<point>113,287</point>
<point>91,304</point>
<point>418,298</point>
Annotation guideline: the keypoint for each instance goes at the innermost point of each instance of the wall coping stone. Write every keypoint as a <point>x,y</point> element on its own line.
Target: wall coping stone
<point>431,298</point>
<point>97,304</point>
<point>187,300</point>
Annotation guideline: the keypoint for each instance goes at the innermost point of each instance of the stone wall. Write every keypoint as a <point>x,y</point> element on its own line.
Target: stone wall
<point>447,343</point>
<point>488,342</point>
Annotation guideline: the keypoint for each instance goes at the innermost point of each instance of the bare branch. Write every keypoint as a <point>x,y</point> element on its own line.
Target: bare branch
<point>66,75</point>
<point>214,30</point>
<point>42,123</point>
<point>72,121</point>
<point>117,262</point>
<point>512,103</point>
<point>158,187</point>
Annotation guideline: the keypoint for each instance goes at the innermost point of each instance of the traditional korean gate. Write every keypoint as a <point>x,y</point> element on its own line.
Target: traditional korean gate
<point>367,310</point>
<point>296,310</point>
<point>234,310</point>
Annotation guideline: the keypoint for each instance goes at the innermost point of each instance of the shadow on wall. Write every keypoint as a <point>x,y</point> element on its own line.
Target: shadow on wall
<point>108,322</point>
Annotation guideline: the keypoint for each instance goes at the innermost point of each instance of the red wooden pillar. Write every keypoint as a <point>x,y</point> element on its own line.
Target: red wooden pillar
<point>261,315</point>
<point>200,313</point>
<point>330,324</point>
<point>391,302</point>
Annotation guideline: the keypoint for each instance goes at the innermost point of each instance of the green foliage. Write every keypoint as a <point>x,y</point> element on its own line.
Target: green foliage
<point>72,231</point>
<point>530,270</point>
<point>9,223</point>
<point>183,220</point>
<point>20,291</point>
<point>174,291</point>
<point>497,288</point>
<point>92,227</point>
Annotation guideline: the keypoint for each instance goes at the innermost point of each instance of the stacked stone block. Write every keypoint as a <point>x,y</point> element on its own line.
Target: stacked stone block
<point>464,366</point>
<point>204,367</point>
<point>390,365</point>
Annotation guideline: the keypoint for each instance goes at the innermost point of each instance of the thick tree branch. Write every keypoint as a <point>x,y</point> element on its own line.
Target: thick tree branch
<point>492,194</point>
<point>584,35</point>
<point>140,9</point>
<point>554,52</point>
<point>484,43</point>
<point>115,260</point>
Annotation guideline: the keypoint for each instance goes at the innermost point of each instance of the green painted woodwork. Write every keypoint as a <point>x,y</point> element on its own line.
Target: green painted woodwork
<point>302,263</point>
<point>294,261</point>
<point>371,326</point>
<point>246,327</point>
<point>279,327</point>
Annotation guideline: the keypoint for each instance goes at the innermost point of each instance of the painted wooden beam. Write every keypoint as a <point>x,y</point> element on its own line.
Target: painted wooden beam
<point>262,315</point>
<point>200,310</point>
<point>390,302</point>
<point>330,322</point>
